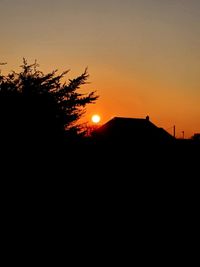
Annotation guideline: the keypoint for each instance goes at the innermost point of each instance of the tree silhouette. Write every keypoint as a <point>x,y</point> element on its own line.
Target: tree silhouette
<point>38,107</point>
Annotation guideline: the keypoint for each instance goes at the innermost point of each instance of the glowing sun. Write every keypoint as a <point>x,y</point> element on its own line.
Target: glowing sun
<point>96,118</point>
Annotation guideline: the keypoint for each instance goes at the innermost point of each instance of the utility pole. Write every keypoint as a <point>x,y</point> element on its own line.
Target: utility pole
<point>183,134</point>
<point>174,131</point>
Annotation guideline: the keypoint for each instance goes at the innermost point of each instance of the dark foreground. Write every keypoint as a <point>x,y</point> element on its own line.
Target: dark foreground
<point>99,167</point>
<point>114,202</point>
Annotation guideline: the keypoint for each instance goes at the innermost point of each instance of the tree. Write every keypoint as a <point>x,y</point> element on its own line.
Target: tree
<point>39,106</point>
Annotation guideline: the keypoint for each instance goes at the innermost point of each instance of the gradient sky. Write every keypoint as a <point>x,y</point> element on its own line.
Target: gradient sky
<point>143,55</point>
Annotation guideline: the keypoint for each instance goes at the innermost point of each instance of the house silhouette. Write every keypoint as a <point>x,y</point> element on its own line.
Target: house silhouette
<point>196,137</point>
<point>135,131</point>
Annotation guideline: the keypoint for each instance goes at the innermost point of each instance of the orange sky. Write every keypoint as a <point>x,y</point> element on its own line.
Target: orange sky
<point>143,55</point>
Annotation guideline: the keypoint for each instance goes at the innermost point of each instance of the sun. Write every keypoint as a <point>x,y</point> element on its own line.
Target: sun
<point>96,118</point>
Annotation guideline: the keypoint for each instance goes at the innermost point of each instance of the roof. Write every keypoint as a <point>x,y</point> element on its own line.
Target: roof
<point>129,129</point>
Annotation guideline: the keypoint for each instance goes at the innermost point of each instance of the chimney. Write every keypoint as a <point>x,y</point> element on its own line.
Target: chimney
<point>147,118</point>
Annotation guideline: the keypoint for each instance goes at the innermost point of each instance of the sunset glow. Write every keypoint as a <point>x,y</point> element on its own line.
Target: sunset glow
<point>142,56</point>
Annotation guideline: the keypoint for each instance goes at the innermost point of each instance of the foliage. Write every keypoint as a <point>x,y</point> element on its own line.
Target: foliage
<point>34,102</point>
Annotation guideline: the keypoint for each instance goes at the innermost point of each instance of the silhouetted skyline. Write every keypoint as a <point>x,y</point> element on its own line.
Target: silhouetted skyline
<point>143,55</point>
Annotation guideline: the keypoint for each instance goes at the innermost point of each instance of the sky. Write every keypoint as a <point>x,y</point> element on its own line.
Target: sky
<point>143,56</point>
